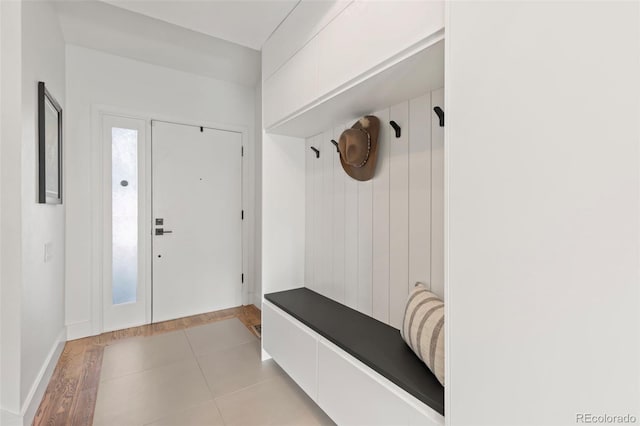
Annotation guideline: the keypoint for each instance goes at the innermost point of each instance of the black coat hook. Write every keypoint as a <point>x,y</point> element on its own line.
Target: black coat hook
<point>396,127</point>
<point>336,145</point>
<point>440,114</point>
<point>314,149</point>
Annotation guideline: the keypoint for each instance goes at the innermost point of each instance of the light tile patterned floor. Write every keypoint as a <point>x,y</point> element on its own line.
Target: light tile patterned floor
<point>206,375</point>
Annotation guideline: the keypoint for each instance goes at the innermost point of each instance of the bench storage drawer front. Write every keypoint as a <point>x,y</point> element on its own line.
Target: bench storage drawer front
<point>352,394</point>
<point>352,397</point>
<point>292,345</point>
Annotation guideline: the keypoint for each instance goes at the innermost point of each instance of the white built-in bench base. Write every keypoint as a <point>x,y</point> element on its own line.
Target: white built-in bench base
<point>347,390</point>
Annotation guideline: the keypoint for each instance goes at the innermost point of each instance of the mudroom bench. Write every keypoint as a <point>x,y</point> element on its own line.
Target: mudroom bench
<point>356,368</point>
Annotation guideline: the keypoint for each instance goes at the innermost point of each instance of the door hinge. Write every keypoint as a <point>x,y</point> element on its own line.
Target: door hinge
<point>242,215</point>
<point>242,151</point>
<point>242,278</point>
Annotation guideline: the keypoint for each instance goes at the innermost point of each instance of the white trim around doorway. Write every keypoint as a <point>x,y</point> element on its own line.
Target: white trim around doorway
<point>96,325</point>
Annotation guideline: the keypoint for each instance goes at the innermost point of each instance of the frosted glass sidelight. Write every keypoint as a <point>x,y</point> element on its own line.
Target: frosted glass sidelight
<point>124,212</point>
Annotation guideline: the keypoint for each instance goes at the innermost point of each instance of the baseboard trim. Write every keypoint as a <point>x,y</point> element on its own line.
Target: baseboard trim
<point>32,402</point>
<point>8,418</point>
<point>78,330</point>
<point>256,299</point>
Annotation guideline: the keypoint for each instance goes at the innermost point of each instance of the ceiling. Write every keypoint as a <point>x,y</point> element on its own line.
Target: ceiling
<point>246,22</point>
<point>99,25</point>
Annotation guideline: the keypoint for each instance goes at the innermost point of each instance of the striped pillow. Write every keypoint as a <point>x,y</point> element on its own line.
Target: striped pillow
<point>423,328</point>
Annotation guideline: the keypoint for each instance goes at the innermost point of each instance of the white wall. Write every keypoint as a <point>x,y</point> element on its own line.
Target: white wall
<point>369,242</point>
<point>115,30</point>
<point>33,328</point>
<point>95,78</point>
<point>283,217</point>
<point>43,283</point>
<point>543,165</point>
<point>1,138</point>
<point>10,197</point>
<point>303,23</point>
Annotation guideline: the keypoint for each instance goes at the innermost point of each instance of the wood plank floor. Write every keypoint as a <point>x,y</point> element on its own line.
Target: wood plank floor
<point>70,398</point>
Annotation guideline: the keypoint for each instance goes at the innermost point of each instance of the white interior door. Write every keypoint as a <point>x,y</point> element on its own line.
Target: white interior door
<point>197,232</point>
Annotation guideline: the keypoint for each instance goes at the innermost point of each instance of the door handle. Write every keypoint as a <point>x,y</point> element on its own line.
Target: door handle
<point>161,231</point>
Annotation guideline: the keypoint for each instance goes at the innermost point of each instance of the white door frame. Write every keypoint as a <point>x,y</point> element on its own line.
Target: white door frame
<point>98,212</point>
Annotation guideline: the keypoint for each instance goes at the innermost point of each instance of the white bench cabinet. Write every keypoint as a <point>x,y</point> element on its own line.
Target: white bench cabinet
<point>348,391</point>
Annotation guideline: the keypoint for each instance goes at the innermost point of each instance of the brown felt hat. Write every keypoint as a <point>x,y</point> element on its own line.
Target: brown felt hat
<point>359,148</point>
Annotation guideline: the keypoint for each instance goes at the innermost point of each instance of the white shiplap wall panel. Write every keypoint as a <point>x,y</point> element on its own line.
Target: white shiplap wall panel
<point>320,224</point>
<point>372,240</point>
<point>365,245</point>
<point>339,178</point>
<point>309,268</point>
<point>399,215</point>
<point>351,238</point>
<point>380,283</point>
<point>437,196</point>
<point>420,189</point>
<point>327,154</point>
<point>317,201</point>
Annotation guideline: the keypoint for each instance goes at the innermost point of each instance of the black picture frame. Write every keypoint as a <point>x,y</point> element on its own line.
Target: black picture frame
<point>49,147</point>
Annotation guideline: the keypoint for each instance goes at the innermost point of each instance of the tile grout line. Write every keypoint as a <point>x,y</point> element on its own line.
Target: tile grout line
<point>144,370</point>
<point>278,376</point>
<point>224,422</point>
<point>237,390</point>
<point>184,411</point>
